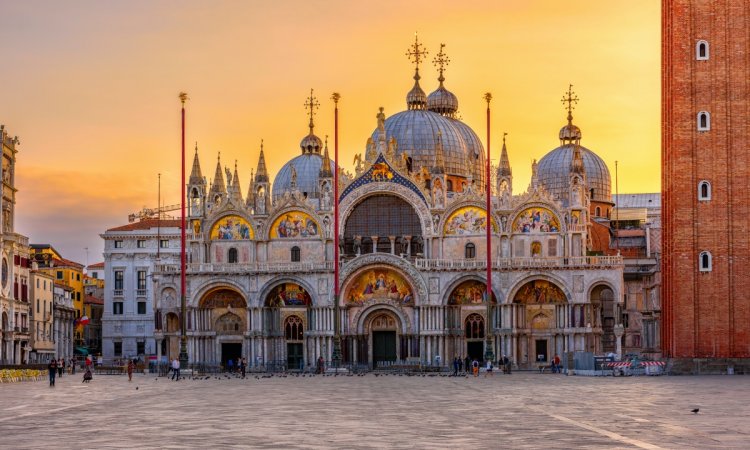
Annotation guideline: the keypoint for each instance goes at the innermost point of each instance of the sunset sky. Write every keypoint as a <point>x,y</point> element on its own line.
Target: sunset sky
<point>91,90</point>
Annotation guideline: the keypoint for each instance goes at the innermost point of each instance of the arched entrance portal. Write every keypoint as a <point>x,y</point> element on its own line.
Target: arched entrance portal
<point>222,317</point>
<point>382,331</point>
<point>465,319</point>
<point>540,313</point>
<point>603,315</point>
<point>285,321</point>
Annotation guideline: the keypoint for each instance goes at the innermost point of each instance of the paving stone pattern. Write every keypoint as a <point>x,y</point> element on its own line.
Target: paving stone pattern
<point>523,410</point>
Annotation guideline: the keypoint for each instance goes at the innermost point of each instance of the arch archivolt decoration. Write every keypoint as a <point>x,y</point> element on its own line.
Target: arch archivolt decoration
<point>293,209</point>
<point>459,280</point>
<point>599,282</point>
<point>229,323</point>
<point>354,198</point>
<point>241,226</point>
<point>524,207</point>
<point>367,313</point>
<point>557,282</point>
<point>267,288</point>
<point>215,285</point>
<point>472,206</point>
<point>407,270</point>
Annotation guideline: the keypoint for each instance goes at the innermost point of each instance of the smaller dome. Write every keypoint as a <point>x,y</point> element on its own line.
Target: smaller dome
<point>307,167</point>
<point>442,101</point>
<point>416,98</point>
<point>311,144</point>
<point>570,132</point>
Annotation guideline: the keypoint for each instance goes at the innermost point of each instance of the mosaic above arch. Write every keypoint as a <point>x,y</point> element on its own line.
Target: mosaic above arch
<point>294,224</point>
<point>381,171</point>
<point>380,283</point>
<point>468,220</point>
<point>288,294</point>
<point>471,292</point>
<point>222,298</point>
<point>232,228</point>
<point>536,220</point>
<point>539,292</point>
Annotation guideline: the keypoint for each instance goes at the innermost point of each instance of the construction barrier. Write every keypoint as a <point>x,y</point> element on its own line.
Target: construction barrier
<point>14,375</point>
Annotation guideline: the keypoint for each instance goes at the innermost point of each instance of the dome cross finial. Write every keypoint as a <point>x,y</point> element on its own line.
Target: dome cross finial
<point>311,104</point>
<point>570,98</point>
<point>440,61</point>
<point>416,53</point>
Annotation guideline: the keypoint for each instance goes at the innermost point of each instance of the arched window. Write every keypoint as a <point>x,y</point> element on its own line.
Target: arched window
<point>232,257</point>
<point>295,254</point>
<point>705,262</point>
<point>701,50</point>
<point>591,194</point>
<point>704,190</point>
<point>598,212</point>
<point>449,184</point>
<point>293,329</point>
<point>383,216</point>
<point>704,121</point>
<point>470,251</point>
<point>474,327</point>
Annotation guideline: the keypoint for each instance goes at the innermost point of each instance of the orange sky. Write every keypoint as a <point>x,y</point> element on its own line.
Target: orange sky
<point>91,89</point>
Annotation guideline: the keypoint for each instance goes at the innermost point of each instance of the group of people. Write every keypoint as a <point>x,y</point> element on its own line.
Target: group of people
<point>468,365</point>
<point>56,368</point>
<point>239,366</point>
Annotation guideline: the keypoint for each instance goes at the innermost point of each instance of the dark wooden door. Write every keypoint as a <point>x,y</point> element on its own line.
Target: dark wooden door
<point>383,346</point>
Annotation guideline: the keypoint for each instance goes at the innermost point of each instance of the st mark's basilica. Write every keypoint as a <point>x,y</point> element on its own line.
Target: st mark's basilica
<point>413,250</point>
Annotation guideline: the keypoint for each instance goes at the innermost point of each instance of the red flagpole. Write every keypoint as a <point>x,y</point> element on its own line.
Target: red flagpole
<point>488,353</point>
<point>183,280</point>
<point>336,354</point>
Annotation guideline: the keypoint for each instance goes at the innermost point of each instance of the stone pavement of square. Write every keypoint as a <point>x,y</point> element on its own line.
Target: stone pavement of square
<point>523,410</point>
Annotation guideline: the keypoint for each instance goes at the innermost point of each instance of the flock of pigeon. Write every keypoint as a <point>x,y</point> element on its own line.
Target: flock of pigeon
<point>225,376</point>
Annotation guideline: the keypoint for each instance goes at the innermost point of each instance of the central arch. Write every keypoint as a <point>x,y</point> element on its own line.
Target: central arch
<point>396,228</point>
<point>382,336</point>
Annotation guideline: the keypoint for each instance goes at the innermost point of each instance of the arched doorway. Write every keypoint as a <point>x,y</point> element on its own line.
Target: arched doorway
<point>382,330</point>
<point>285,321</point>
<point>220,321</point>
<point>467,308</point>
<point>171,343</point>
<point>540,313</point>
<point>603,316</point>
<point>366,232</point>
<point>474,335</point>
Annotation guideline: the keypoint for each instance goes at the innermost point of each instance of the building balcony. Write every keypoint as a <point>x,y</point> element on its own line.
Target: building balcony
<point>263,267</point>
<point>520,263</point>
<point>117,292</point>
<point>141,292</point>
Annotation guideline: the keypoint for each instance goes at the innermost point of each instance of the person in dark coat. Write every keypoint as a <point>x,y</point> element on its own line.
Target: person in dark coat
<point>52,368</point>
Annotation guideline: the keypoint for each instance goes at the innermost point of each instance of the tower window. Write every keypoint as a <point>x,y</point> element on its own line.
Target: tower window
<point>295,254</point>
<point>232,257</point>
<point>704,190</point>
<point>470,251</point>
<point>705,262</point>
<point>701,50</point>
<point>598,212</point>
<point>591,194</point>
<point>704,121</point>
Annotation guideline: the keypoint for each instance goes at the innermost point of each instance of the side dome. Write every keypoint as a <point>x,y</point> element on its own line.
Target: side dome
<point>553,172</point>
<point>307,167</point>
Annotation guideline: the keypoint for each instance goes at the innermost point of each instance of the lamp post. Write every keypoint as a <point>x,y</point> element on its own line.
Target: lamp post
<point>183,280</point>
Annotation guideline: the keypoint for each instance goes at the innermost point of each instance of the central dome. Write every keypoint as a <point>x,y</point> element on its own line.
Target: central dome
<point>416,133</point>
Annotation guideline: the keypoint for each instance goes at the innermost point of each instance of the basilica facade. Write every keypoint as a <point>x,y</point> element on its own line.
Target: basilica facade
<point>412,228</point>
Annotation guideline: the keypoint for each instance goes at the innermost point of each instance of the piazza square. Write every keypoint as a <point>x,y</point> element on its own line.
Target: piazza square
<point>522,410</point>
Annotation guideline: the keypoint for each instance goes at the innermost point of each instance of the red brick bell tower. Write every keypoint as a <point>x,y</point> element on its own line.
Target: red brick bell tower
<point>705,180</point>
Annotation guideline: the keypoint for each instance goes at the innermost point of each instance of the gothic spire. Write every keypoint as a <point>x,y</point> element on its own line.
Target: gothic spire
<point>261,175</point>
<point>325,169</point>
<point>250,199</point>
<point>236,193</point>
<point>218,184</point>
<point>196,177</point>
<point>504,167</point>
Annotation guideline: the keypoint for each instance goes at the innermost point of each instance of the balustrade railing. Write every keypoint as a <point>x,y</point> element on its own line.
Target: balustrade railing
<point>520,262</point>
<point>302,266</point>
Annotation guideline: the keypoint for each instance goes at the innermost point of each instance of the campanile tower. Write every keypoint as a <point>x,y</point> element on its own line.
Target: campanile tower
<point>706,189</point>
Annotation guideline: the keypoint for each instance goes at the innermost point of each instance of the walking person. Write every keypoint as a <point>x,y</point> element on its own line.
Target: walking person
<point>230,365</point>
<point>176,369</point>
<point>87,376</point>
<point>467,364</point>
<point>73,365</point>
<point>460,364</point>
<point>506,365</point>
<point>475,367</point>
<point>556,364</point>
<point>243,367</point>
<point>455,366</point>
<point>321,364</point>
<point>131,367</point>
<point>52,368</point>
<point>60,367</point>
<point>489,369</point>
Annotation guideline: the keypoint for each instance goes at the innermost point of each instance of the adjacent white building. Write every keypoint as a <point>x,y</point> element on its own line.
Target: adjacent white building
<point>64,316</point>
<point>130,255</point>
